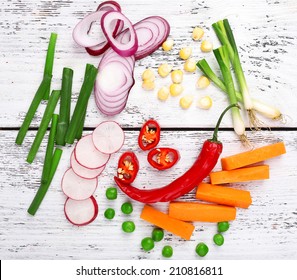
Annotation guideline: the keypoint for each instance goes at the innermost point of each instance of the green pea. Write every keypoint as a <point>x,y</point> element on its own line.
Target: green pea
<point>167,251</point>
<point>147,244</point>
<point>218,239</point>
<point>109,213</point>
<point>223,226</point>
<point>128,226</point>
<point>111,193</point>
<point>127,208</point>
<point>157,234</point>
<point>201,249</point>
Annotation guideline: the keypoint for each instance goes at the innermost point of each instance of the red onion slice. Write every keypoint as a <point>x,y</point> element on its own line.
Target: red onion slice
<point>108,6</point>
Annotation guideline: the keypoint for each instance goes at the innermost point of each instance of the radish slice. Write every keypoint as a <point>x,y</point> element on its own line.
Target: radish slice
<point>108,137</point>
<point>81,212</point>
<point>127,49</point>
<point>76,187</point>
<point>83,171</point>
<point>87,155</point>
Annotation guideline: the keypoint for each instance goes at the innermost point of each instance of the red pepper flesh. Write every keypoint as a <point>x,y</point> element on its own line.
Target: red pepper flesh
<point>163,158</point>
<point>149,135</point>
<point>128,167</point>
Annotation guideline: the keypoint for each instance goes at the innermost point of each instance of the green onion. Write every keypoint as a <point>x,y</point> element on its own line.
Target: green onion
<point>81,103</point>
<point>49,150</point>
<point>32,109</point>
<point>65,104</point>
<point>49,110</point>
<point>49,61</point>
<point>44,186</point>
<point>80,127</point>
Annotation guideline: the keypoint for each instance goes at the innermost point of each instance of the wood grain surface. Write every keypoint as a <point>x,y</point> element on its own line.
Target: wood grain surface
<point>267,35</point>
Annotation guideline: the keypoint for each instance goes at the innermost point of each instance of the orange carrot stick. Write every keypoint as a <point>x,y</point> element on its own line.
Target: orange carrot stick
<point>254,156</point>
<point>224,195</point>
<point>162,220</point>
<point>202,212</point>
<point>260,172</point>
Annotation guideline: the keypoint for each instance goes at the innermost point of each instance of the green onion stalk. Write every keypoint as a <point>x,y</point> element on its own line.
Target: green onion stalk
<point>223,60</point>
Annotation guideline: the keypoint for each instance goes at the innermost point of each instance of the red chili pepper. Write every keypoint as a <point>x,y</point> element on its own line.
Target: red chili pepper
<point>128,167</point>
<point>203,165</point>
<point>149,135</point>
<point>163,158</point>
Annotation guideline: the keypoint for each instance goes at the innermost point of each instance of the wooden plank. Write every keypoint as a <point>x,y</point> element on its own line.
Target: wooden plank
<point>265,32</point>
<point>267,230</point>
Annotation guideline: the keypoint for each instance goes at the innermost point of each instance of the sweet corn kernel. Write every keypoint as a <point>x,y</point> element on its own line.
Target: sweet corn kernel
<point>177,76</point>
<point>204,102</point>
<point>148,74</point>
<point>167,45</point>
<point>203,82</point>
<point>185,53</point>
<point>190,65</point>
<point>186,101</point>
<point>163,93</point>
<point>148,85</point>
<point>206,46</point>
<point>197,33</point>
<point>176,89</point>
<point>164,70</point>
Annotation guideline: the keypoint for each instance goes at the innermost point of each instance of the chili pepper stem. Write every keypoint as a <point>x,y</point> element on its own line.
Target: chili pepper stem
<point>215,132</point>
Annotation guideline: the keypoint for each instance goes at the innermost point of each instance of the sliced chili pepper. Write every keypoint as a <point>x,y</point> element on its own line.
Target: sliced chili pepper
<point>128,167</point>
<point>163,158</point>
<point>203,165</point>
<point>149,135</point>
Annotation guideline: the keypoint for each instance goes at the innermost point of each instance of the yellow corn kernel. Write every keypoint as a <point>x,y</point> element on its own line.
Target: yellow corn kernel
<point>176,89</point>
<point>203,82</point>
<point>204,102</point>
<point>206,46</point>
<point>185,53</point>
<point>163,93</point>
<point>148,85</point>
<point>186,101</point>
<point>177,76</point>
<point>148,74</point>
<point>197,33</point>
<point>190,65</point>
<point>167,45</point>
<point>164,70</point>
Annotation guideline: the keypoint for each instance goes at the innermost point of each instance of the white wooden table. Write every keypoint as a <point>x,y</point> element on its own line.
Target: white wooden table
<point>267,36</point>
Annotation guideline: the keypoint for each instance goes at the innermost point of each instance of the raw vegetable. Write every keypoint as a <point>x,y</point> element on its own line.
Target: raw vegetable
<point>218,239</point>
<point>186,101</point>
<point>163,93</point>
<point>260,172</point>
<point>163,158</point>
<point>223,195</point>
<point>164,221</point>
<point>128,167</point>
<point>108,137</point>
<point>185,53</point>
<point>109,213</point>
<point>164,69</point>
<point>87,155</point>
<point>47,116</point>
<point>190,65</point>
<point>203,82</point>
<point>197,33</point>
<point>202,212</point>
<point>203,165</point>
<point>157,234</point>
<point>206,46</point>
<point>127,208</point>
<point>168,45</point>
<point>223,226</point>
<point>201,249</point>
<point>253,156</point>
<point>149,135</point>
<point>81,212</point>
<point>177,76</point>
<point>76,187</point>
<point>111,193</point>
<point>65,104</point>
<point>204,102</point>
<point>128,226</point>
<point>81,104</point>
<point>147,244</point>
<point>167,251</point>
<point>44,186</point>
<point>176,89</point>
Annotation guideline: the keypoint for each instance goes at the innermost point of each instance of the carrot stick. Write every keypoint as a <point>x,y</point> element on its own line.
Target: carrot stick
<point>260,172</point>
<point>254,156</point>
<point>201,212</point>
<point>162,220</point>
<point>224,195</point>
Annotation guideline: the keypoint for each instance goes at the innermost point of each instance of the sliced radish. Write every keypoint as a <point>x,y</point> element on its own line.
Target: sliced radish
<point>87,155</point>
<point>76,187</point>
<point>81,212</point>
<point>108,137</point>
<point>83,171</point>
